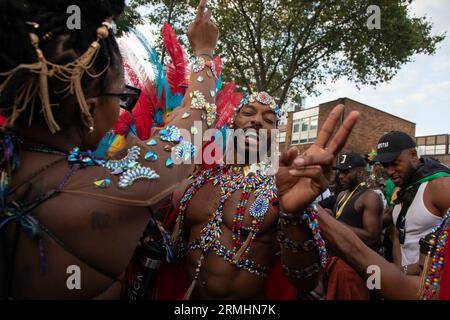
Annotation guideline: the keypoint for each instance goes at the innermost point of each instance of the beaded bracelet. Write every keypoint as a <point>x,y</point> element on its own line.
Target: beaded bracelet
<point>199,63</point>
<point>301,273</point>
<point>311,218</point>
<point>293,245</point>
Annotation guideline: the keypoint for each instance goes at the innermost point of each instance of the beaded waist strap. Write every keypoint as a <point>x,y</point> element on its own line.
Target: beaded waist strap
<point>227,255</point>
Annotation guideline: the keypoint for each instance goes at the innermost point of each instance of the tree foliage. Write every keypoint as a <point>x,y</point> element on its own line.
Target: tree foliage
<point>289,47</point>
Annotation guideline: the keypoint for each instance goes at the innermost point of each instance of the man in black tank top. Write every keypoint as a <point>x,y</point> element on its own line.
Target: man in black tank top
<point>357,205</point>
<point>361,209</point>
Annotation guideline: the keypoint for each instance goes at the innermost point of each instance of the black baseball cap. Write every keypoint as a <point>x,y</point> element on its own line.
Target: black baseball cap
<point>392,144</point>
<point>350,161</point>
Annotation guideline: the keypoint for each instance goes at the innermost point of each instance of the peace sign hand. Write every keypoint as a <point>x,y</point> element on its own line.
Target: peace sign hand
<point>202,32</point>
<point>301,178</point>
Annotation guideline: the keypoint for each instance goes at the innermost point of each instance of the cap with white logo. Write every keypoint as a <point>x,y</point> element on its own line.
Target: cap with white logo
<point>392,144</point>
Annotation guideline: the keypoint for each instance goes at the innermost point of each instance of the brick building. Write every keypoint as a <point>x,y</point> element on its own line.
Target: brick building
<point>435,146</point>
<point>302,126</point>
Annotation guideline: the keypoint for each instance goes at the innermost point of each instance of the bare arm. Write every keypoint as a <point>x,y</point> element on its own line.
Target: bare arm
<point>373,210</point>
<point>396,253</point>
<point>387,217</point>
<point>440,191</point>
<point>394,284</point>
<point>203,36</point>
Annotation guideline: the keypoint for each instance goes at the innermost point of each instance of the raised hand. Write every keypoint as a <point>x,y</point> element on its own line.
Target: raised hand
<point>202,32</point>
<point>301,178</point>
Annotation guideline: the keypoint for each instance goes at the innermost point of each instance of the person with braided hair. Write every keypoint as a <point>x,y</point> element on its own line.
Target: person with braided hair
<point>60,206</point>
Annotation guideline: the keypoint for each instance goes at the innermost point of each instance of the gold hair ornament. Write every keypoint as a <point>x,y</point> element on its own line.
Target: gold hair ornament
<point>70,73</point>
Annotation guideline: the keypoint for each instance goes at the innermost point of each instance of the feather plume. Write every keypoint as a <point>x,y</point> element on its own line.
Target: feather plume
<point>124,123</point>
<point>143,117</point>
<point>218,63</point>
<point>177,70</point>
<point>226,102</point>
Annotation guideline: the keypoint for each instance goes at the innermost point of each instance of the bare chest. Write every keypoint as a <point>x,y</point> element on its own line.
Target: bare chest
<point>209,201</point>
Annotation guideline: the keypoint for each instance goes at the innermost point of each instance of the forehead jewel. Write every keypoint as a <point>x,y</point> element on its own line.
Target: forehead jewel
<point>263,98</point>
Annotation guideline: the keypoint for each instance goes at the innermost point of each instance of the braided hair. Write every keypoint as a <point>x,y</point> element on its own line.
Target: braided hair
<point>51,18</point>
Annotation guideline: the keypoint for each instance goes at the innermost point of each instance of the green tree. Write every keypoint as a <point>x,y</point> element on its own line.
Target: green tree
<point>289,47</point>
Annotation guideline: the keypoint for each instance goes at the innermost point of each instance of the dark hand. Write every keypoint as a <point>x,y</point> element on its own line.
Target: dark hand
<point>300,179</point>
<point>202,32</point>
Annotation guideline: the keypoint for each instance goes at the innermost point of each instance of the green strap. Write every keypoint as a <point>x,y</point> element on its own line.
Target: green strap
<point>435,176</point>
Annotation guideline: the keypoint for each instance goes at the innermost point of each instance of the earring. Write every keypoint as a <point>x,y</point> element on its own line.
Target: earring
<point>91,129</point>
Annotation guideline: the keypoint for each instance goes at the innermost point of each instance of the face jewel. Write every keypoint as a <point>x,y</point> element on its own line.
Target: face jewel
<point>264,98</point>
<point>103,184</point>
<point>198,64</point>
<point>259,208</point>
<point>152,142</point>
<point>132,175</point>
<point>212,92</point>
<point>124,164</point>
<point>132,164</point>
<point>194,130</point>
<point>169,163</point>
<point>84,158</point>
<point>170,133</point>
<point>185,151</point>
<point>200,79</point>
<point>198,100</point>
<point>117,171</point>
<point>185,115</point>
<point>151,156</point>
<point>168,148</point>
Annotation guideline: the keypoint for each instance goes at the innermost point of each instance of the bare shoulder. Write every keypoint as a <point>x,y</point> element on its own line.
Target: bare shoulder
<point>440,184</point>
<point>437,192</point>
<point>372,198</point>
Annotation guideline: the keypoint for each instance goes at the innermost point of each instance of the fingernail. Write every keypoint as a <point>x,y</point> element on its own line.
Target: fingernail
<point>299,162</point>
<point>293,172</point>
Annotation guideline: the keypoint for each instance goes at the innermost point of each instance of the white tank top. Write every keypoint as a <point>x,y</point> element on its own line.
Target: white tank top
<point>419,222</point>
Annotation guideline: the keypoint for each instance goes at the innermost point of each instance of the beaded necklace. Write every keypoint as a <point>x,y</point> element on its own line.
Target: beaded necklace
<point>434,262</point>
<point>231,179</point>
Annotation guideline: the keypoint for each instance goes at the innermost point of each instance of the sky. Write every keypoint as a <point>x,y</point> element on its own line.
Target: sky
<point>420,92</point>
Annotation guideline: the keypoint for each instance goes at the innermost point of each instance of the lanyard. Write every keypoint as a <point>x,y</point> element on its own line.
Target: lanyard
<point>341,206</point>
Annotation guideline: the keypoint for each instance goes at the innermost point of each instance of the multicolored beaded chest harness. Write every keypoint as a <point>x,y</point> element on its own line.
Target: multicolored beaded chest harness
<point>231,179</point>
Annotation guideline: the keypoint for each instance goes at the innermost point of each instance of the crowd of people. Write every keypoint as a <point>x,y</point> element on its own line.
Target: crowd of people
<point>140,226</point>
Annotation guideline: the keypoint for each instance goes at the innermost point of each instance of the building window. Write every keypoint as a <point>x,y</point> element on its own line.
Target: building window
<point>421,141</point>
<point>431,140</point>
<point>441,140</point>
<point>304,130</point>
<point>440,149</point>
<point>313,123</point>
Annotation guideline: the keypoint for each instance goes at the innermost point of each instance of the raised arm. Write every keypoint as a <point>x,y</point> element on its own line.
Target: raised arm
<point>300,179</point>
<point>197,109</point>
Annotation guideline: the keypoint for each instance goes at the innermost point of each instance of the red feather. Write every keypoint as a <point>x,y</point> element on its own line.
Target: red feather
<point>227,100</point>
<point>218,63</point>
<point>151,99</point>
<point>177,70</point>
<point>143,118</point>
<point>124,123</point>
